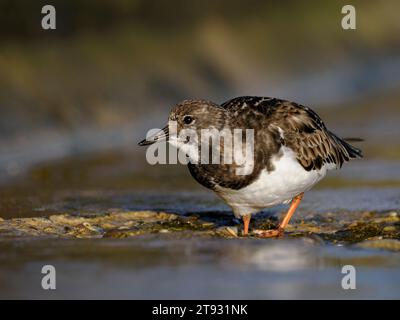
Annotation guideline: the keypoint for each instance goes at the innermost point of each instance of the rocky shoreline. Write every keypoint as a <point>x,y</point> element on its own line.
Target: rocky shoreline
<point>379,230</point>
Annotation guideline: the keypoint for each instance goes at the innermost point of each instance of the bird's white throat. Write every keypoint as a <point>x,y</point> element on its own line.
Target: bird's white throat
<point>217,147</point>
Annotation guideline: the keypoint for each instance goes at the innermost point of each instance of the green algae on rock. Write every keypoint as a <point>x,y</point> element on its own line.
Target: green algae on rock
<point>114,225</point>
<point>368,229</point>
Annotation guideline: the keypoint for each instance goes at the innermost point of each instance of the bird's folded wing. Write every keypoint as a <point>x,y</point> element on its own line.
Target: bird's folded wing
<point>303,131</point>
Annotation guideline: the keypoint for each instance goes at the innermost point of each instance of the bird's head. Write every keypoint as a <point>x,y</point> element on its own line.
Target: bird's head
<point>185,122</point>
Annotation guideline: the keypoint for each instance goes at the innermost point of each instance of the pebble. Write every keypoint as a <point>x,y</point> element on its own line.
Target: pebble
<point>228,231</point>
<point>389,229</point>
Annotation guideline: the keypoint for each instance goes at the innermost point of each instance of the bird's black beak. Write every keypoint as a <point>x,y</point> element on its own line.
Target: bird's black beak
<point>161,135</point>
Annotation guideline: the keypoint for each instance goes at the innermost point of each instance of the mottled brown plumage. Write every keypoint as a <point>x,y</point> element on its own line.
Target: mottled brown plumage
<point>302,130</point>
<point>293,150</point>
<point>276,123</point>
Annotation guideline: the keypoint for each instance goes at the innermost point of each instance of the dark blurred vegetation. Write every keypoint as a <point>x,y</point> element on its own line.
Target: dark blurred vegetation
<point>113,69</point>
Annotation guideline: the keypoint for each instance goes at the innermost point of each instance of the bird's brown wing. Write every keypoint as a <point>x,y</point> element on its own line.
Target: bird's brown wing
<point>303,131</point>
<point>300,129</point>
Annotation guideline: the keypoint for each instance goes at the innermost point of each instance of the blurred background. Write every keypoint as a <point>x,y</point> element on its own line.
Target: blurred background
<point>75,101</point>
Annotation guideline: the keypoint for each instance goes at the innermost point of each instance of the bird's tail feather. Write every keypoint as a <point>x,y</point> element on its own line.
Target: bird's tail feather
<point>353,139</point>
<point>351,150</point>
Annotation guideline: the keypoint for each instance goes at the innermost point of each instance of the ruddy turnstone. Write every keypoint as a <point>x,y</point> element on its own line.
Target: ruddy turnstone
<point>293,150</point>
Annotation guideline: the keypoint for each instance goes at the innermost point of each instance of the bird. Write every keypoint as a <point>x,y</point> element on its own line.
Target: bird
<point>293,150</point>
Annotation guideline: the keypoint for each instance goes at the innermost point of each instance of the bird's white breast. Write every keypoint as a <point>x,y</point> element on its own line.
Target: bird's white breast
<point>280,185</point>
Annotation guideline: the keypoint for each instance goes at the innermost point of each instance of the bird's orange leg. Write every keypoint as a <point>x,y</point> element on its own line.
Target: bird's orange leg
<point>281,228</point>
<point>246,222</point>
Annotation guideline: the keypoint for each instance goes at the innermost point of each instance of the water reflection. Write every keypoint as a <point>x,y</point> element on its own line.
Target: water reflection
<point>275,256</point>
<point>160,268</point>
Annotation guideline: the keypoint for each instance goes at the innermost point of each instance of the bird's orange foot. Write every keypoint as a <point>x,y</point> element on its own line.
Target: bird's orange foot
<point>273,233</point>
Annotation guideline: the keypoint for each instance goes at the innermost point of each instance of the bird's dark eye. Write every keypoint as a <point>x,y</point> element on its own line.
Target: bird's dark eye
<point>187,119</point>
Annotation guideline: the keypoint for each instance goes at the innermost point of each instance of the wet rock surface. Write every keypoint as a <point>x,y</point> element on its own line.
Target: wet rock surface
<point>166,255</point>
<point>365,229</point>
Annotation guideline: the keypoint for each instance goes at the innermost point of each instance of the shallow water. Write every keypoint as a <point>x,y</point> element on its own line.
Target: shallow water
<point>182,265</point>
<point>186,265</point>
<point>152,267</point>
